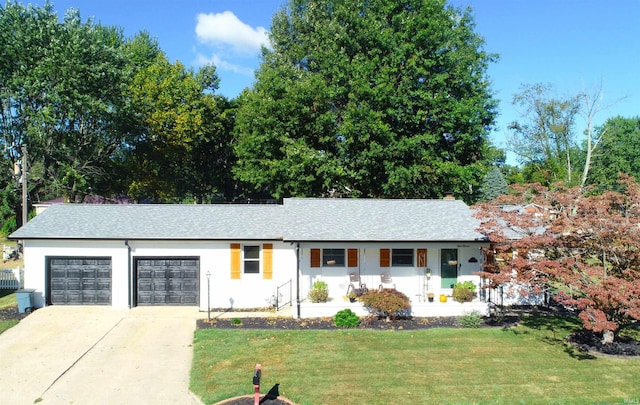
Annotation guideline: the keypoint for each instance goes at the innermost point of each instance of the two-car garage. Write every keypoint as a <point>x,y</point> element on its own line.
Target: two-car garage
<point>157,280</point>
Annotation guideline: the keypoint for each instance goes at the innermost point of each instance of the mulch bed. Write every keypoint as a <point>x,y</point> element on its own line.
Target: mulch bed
<point>11,313</point>
<point>590,342</point>
<point>326,323</point>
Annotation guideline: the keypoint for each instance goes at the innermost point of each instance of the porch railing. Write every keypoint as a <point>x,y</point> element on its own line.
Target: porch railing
<point>12,279</point>
<point>283,295</point>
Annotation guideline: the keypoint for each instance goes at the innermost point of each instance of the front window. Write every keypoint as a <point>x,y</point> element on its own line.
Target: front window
<point>402,257</point>
<point>251,259</point>
<point>333,257</point>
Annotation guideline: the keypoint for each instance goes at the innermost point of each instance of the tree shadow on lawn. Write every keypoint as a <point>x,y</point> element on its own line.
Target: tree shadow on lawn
<point>554,331</point>
<point>4,293</point>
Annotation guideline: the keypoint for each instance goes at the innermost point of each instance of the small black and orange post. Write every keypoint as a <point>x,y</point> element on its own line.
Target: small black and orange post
<point>256,384</point>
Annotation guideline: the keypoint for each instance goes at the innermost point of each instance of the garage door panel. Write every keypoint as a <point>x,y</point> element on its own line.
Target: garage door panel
<point>80,281</point>
<point>191,273</point>
<point>89,273</point>
<point>145,285</point>
<point>190,299</point>
<point>174,299</point>
<point>74,273</point>
<point>73,298</point>
<point>174,273</point>
<point>144,299</point>
<point>159,285</point>
<point>190,286</point>
<point>167,281</point>
<point>145,273</point>
<point>159,299</point>
<point>103,299</point>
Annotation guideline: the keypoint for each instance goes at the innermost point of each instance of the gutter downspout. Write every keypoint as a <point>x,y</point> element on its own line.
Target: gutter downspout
<point>298,280</point>
<point>129,274</point>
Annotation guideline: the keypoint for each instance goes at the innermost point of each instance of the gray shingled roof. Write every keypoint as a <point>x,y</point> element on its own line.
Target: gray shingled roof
<point>157,221</point>
<point>298,219</point>
<point>380,220</point>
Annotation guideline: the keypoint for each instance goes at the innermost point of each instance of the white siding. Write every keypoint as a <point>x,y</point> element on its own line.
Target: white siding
<point>250,291</point>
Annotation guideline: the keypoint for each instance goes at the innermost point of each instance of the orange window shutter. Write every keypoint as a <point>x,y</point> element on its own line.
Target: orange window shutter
<point>235,261</point>
<point>267,261</point>
<point>385,255</point>
<point>315,257</point>
<point>422,258</point>
<point>491,254</point>
<point>352,258</point>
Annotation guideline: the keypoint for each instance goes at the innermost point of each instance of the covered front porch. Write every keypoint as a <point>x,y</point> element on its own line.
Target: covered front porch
<point>418,270</point>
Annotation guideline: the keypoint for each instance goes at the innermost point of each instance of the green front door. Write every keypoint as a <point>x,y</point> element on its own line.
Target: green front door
<point>448,267</point>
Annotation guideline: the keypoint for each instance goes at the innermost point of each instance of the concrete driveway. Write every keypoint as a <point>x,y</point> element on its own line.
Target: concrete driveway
<point>99,355</point>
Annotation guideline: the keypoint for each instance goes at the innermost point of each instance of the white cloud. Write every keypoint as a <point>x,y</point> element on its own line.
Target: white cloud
<point>227,31</point>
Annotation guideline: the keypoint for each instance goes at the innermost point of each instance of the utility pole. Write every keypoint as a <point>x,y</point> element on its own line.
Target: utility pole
<point>23,180</point>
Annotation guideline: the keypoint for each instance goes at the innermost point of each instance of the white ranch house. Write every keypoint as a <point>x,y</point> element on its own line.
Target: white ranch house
<point>131,255</point>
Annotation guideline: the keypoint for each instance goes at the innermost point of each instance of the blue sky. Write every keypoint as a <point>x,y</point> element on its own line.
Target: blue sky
<point>572,44</point>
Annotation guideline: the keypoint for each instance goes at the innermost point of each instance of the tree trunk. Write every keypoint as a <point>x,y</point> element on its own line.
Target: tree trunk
<point>607,337</point>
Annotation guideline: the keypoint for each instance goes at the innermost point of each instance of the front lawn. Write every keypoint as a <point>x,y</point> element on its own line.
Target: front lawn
<point>7,300</point>
<point>528,364</point>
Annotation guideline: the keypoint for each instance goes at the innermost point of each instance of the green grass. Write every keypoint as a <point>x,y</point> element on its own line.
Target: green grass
<point>7,299</point>
<point>527,364</point>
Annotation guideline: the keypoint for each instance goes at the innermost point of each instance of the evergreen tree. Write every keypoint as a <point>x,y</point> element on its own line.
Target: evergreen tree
<point>493,185</point>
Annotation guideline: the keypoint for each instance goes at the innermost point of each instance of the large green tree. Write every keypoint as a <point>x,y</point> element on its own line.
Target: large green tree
<point>375,98</point>
<point>61,96</point>
<point>618,152</point>
<point>183,148</point>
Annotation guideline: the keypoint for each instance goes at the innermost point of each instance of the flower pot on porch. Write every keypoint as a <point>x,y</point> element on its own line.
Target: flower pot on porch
<point>430,297</point>
<point>443,298</point>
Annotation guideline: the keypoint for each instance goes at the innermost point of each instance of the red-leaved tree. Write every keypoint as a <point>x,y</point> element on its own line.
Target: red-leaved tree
<point>586,247</point>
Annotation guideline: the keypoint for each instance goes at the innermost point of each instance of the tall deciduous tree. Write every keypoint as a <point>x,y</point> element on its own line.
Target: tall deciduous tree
<point>183,149</point>
<point>61,95</point>
<point>381,98</point>
<point>585,246</point>
<point>544,139</point>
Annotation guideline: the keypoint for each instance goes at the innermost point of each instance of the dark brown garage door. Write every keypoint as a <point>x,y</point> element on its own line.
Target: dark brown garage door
<point>167,280</point>
<point>79,280</point>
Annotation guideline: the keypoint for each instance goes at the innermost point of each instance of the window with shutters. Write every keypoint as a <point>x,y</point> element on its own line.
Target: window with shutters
<point>401,257</point>
<point>251,259</point>
<point>333,257</point>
